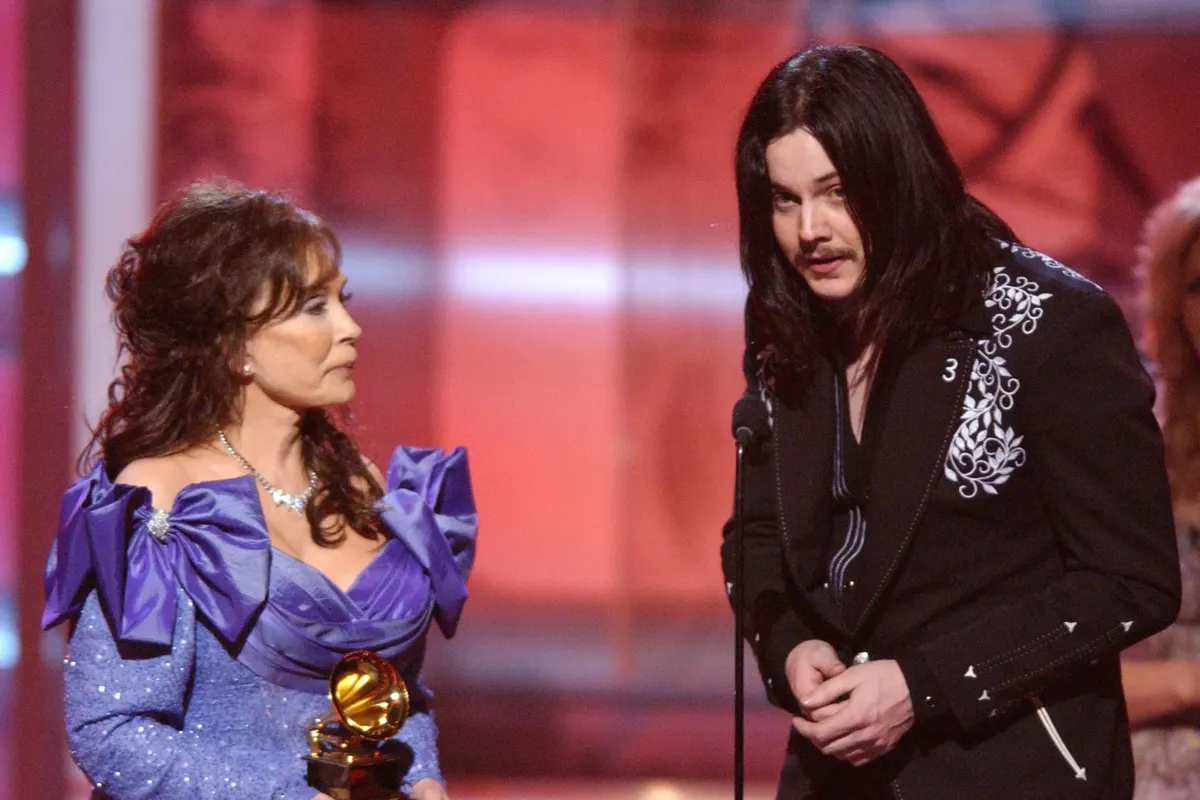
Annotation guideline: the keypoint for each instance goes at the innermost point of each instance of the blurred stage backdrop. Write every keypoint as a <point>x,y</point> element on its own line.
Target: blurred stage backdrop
<point>537,208</point>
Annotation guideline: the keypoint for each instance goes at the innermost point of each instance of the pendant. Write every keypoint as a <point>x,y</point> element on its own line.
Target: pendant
<point>294,502</point>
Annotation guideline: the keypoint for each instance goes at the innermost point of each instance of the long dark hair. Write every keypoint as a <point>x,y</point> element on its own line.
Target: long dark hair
<point>929,245</point>
<point>187,295</point>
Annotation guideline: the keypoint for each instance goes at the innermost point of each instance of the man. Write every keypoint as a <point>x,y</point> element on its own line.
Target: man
<point>962,515</point>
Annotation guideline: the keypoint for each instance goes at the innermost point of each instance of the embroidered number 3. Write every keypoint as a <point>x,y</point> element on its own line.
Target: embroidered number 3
<point>951,370</point>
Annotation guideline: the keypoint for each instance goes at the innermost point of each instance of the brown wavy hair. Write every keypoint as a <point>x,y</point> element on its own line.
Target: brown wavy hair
<point>1169,245</point>
<point>188,293</point>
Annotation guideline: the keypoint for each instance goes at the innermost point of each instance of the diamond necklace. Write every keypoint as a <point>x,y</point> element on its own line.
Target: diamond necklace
<point>294,502</point>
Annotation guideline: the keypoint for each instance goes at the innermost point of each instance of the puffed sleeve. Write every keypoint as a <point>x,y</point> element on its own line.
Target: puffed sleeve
<point>125,721</point>
<point>420,735</point>
<point>430,505</point>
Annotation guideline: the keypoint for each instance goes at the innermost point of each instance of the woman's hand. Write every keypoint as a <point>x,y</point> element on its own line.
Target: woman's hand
<point>428,789</point>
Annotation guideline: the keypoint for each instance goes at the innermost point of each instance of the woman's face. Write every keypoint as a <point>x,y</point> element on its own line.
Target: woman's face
<point>307,360</point>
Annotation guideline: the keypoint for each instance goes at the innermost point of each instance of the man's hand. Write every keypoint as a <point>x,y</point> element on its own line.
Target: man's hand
<point>811,663</point>
<point>428,789</point>
<point>863,726</point>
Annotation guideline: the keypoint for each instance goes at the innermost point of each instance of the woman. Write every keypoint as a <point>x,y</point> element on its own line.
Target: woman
<point>230,543</point>
<point>1162,675</point>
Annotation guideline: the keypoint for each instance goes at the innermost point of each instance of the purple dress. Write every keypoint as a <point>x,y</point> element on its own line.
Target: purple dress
<point>200,654</point>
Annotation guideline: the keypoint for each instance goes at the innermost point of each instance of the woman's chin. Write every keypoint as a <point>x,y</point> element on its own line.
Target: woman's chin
<point>342,396</point>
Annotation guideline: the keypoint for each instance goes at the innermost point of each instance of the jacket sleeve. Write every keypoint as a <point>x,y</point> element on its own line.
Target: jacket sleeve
<point>125,721</point>
<point>772,626</point>
<point>1096,452</point>
<point>420,734</point>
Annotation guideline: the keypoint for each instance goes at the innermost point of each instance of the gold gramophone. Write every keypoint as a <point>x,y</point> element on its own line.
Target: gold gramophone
<point>351,755</point>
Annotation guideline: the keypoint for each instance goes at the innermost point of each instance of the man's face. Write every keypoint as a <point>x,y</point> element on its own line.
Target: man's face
<point>811,219</point>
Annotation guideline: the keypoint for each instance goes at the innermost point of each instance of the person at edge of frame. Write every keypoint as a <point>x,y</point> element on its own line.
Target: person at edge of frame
<point>961,515</point>
<point>227,542</point>
<point>1161,675</point>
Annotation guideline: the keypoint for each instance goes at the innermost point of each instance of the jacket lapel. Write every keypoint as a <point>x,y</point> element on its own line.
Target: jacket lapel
<point>804,439</point>
<point>920,414</point>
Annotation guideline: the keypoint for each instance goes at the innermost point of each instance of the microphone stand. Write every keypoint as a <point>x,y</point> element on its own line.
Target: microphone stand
<point>739,666</point>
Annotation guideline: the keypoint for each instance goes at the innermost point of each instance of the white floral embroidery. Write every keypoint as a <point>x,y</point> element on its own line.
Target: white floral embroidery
<point>1029,252</point>
<point>985,451</point>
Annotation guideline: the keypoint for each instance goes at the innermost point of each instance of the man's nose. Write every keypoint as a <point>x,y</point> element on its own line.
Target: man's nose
<point>812,224</point>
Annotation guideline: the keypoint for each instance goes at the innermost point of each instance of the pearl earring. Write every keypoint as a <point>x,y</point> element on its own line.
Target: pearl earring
<point>246,369</point>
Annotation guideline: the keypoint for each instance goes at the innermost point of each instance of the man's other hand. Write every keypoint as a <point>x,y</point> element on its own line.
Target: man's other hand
<point>811,663</point>
<point>858,715</point>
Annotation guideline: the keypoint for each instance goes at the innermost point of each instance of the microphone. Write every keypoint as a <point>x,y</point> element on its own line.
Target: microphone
<point>751,426</point>
<point>750,422</point>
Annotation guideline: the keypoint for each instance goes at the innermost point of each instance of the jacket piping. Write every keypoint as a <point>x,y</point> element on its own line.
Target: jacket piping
<point>1056,738</point>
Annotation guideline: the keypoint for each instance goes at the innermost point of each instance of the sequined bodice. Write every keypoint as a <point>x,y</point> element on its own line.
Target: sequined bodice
<point>236,735</point>
<point>201,654</point>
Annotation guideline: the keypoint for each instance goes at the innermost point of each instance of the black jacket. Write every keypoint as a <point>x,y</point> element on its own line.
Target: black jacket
<point>1019,536</point>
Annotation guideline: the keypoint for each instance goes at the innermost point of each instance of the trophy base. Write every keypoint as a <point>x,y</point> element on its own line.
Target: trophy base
<point>376,779</point>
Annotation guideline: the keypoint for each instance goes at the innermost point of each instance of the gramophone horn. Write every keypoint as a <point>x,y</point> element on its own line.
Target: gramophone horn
<point>369,697</point>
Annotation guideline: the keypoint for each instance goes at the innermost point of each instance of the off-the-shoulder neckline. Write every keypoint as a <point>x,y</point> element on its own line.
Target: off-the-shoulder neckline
<point>259,523</point>
<point>186,489</point>
<point>353,583</point>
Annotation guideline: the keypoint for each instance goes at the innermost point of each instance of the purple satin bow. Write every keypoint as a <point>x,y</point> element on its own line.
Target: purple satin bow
<point>216,549</point>
<point>430,506</point>
<point>289,627</point>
